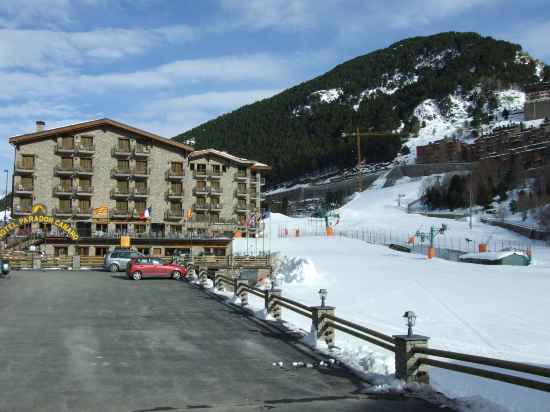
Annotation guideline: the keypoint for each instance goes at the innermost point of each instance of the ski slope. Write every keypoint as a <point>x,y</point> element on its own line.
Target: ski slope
<point>496,311</point>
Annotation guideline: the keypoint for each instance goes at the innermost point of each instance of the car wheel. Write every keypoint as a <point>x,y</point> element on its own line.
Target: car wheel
<point>176,275</point>
<point>136,275</point>
<point>113,267</point>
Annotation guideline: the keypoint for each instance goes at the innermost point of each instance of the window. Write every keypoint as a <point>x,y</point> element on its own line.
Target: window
<point>101,227</point>
<point>224,168</point>
<point>141,166</point>
<point>67,163</point>
<point>139,228</point>
<point>175,207</point>
<point>175,229</point>
<point>141,147</point>
<point>176,168</point>
<point>27,182</point>
<point>192,166</point>
<point>28,161</point>
<point>216,170</point>
<point>87,141</point>
<point>123,164</point>
<point>144,250</point>
<point>142,261</point>
<point>83,251</point>
<point>60,251</point>
<point>122,205</point>
<point>123,186</point>
<point>84,205</point>
<point>139,205</point>
<point>157,251</point>
<point>67,142</point>
<point>66,183</point>
<point>215,185</point>
<point>124,144</point>
<point>201,167</point>
<point>176,187</point>
<point>121,228</point>
<point>242,171</point>
<point>141,186</point>
<point>242,187</point>
<point>65,205</point>
<point>101,251</point>
<point>201,184</point>
<point>85,164</point>
<point>26,204</point>
<point>85,182</point>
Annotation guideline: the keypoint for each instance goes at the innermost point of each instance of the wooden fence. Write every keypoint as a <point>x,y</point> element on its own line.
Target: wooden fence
<point>410,358</point>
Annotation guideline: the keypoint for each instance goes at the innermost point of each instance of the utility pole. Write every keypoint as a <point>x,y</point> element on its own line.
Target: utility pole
<point>6,198</point>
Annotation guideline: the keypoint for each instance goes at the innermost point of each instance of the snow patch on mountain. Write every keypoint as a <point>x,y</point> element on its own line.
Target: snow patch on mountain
<point>328,96</point>
<point>436,61</point>
<point>390,84</point>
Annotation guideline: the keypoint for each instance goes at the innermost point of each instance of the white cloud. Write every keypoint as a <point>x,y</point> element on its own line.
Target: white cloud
<point>40,49</point>
<point>50,13</point>
<point>171,116</point>
<point>225,69</point>
<point>534,39</point>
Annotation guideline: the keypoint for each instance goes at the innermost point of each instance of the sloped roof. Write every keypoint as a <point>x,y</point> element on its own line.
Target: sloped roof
<point>241,160</point>
<point>81,127</point>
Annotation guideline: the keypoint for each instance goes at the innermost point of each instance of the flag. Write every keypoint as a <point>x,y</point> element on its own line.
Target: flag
<point>189,213</point>
<point>101,212</point>
<point>145,214</point>
<point>252,221</point>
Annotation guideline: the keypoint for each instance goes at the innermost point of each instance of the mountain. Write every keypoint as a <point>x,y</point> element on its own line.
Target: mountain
<point>404,88</point>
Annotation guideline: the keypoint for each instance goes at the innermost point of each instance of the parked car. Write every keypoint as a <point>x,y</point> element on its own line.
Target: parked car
<point>118,259</point>
<point>152,267</point>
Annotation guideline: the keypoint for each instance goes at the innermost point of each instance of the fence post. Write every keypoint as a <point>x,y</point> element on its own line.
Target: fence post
<point>218,282</point>
<point>76,262</point>
<point>272,305</point>
<point>203,277</point>
<point>242,291</point>
<point>321,327</point>
<point>36,262</point>
<point>407,366</point>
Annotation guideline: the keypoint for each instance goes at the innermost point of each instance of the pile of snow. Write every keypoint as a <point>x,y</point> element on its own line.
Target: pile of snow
<point>476,309</point>
<point>490,256</point>
<point>328,96</point>
<point>294,269</point>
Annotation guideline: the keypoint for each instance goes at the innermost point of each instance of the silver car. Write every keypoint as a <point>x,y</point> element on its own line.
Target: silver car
<point>118,260</point>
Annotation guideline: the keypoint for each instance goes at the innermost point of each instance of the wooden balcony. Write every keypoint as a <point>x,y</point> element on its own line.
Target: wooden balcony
<point>142,152</point>
<point>61,170</point>
<point>174,174</point>
<point>200,174</point>
<point>63,212</point>
<point>84,191</point>
<point>141,172</point>
<point>121,152</point>
<point>171,195</point>
<point>84,171</point>
<point>63,191</point>
<point>173,215</point>
<point>23,169</point>
<point>85,149</point>
<point>23,190</point>
<point>140,193</point>
<point>120,172</point>
<point>120,194</point>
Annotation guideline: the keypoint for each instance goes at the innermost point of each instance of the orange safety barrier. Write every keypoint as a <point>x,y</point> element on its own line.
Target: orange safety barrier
<point>483,247</point>
<point>431,252</point>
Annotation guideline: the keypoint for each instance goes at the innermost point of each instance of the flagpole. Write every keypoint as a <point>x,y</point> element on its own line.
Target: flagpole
<point>246,230</point>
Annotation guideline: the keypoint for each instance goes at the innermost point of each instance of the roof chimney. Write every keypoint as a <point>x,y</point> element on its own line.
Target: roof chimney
<point>40,125</point>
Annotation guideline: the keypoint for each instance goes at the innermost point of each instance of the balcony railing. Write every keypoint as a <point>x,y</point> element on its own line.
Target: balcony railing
<point>140,192</point>
<point>61,190</point>
<point>241,176</point>
<point>84,190</point>
<point>143,151</point>
<point>174,215</point>
<point>200,174</point>
<point>22,211</point>
<point>120,213</point>
<point>64,170</point>
<point>215,174</point>
<point>201,191</point>
<point>84,170</point>
<point>201,206</point>
<point>120,193</point>
<point>63,212</point>
<point>23,190</point>
<point>170,194</point>
<point>216,206</point>
<point>216,191</point>
<point>23,168</point>
<point>119,151</point>
<point>61,148</point>
<point>241,192</point>
<point>141,172</point>
<point>83,213</point>
<point>121,172</point>
<point>241,209</point>
<point>174,174</point>
<point>85,149</point>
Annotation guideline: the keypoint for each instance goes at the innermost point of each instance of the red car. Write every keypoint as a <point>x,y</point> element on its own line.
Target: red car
<point>152,267</point>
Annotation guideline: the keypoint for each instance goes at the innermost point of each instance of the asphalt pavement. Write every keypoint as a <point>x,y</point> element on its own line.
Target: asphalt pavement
<point>94,341</point>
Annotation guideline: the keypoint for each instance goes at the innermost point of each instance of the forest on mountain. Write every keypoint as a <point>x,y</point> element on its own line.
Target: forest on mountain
<point>297,132</point>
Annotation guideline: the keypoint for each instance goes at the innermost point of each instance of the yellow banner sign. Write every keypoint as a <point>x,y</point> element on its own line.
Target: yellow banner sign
<point>47,220</point>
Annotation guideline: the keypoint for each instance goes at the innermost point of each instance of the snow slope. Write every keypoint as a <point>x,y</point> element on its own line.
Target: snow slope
<point>495,311</point>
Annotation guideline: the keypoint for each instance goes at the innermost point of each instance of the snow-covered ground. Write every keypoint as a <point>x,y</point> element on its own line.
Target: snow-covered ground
<point>495,311</point>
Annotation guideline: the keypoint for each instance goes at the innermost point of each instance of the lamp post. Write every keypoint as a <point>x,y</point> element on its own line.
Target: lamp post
<point>6,197</point>
<point>323,294</point>
<point>411,320</point>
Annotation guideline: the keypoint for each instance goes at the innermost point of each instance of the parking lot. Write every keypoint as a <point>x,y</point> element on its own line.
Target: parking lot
<point>96,341</point>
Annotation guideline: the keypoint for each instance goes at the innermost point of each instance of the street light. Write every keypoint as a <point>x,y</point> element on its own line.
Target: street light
<point>411,320</point>
<point>323,294</point>
<point>6,197</point>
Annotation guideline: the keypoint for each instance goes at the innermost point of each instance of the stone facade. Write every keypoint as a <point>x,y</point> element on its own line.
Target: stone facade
<point>537,101</point>
<point>105,164</point>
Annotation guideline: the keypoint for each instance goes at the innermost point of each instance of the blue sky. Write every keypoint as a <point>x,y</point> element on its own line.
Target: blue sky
<point>168,65</point>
